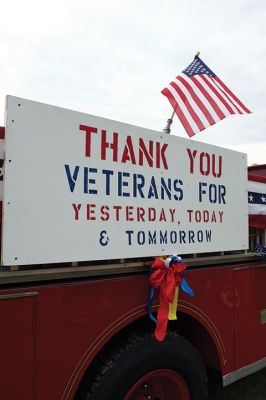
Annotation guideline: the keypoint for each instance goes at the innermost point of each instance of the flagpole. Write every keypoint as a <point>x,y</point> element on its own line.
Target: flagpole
<point>197,55</point>
<point>167,129</point>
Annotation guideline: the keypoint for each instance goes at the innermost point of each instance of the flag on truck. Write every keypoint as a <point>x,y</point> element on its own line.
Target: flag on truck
<point>257,200</point>
<point>200,99</point>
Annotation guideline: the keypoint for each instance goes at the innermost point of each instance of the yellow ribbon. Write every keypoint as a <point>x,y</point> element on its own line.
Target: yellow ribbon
<point>173,306</point>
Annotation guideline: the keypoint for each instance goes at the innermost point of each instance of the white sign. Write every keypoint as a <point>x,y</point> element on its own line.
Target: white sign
<point>2,135</point>
<point>79,187</point>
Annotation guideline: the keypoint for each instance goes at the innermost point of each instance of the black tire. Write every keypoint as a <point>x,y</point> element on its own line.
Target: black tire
<point>125,364</point>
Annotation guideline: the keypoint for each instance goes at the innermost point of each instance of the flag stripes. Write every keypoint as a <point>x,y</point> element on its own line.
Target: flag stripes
<point>213,108</point>
<point>180,110</point>
<point>228,99</point>
<point>222,106</point>
<point>246,110</point>
<point>200,98</point>
<point>257,201</point>
<point>190,104</point>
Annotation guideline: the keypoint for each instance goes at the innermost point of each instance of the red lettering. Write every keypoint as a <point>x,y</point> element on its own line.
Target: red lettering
<point>129,213</point>
<point>105,213</point>
<point>213,219</point>
<point>91,212</point>
<point>89,130</point>
<point>140,214</point>
<point>106,145</point>
<point>160,155</point>
<point>76,207</point>
<point>197,216</point>
<point>206,216</point>
<point>117,212</point>
<point>143,151</point>
<point>172,212</point>
<point>207,163</point>
<point>128,153</point>
<point>163,150</point>
<point>205,169</point>
<point>162,216</point>
<point>214,172</point>
<point>151,214</point>
<point>158,146</point>
<point>189,215</point>
<point>191,159</point>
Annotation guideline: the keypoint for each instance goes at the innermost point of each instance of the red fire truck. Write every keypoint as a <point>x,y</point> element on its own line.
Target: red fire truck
<point>74,319</point>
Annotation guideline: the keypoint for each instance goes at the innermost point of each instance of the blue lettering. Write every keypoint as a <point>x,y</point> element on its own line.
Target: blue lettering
<point>163,237</point>
<point>200,236</point>
<point>165,188</point>
<point>137,186</point>
<point>173,237</point>
<point>222,193</point>
<point>153,189</point>
<point>88,181</point>
<point>141,237</point>
<point>129,234</point>
<point>72,178</point>
<point>182,237</point>
<point>122,183</point>
<point>209,236</point>
<point>191,235</point>
<point>202,186</point>
<point>178,190</point>
<point>152,239</point>
<point>216,193</point>
<point>213,193</point>
<point>107,173</point>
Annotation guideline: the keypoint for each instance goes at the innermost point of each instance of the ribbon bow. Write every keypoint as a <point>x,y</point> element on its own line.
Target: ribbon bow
<point>168,275</point>
<point>261,249</point>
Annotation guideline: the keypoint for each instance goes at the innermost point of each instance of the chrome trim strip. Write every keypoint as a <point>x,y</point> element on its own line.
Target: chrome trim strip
<point>18,295</point>
<point>244,371</point>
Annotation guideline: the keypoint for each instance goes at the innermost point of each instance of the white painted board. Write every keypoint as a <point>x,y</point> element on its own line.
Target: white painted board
<point>1,163</point>
<point>79,187</point>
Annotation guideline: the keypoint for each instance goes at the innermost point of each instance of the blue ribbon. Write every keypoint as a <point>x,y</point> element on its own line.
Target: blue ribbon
<point>186,288</point>
<point>150,303</point>
<point>261,249</point>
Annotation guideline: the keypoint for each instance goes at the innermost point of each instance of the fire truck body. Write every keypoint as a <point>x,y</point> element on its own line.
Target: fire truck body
<point>80,329</point>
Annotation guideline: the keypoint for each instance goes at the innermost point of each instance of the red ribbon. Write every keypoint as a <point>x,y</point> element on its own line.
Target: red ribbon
<point>167,278</point>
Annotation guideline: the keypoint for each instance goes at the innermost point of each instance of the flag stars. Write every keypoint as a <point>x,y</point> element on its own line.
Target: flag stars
<point>196,68</point>
<point>251,198</point>
<point>257,198</point>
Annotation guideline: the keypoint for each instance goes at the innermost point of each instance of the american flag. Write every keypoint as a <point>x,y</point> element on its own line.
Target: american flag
<point>200,98</point>
<point>257,200</point>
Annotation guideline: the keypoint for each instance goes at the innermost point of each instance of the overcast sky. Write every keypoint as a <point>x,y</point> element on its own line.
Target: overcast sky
<point>113,58</point>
